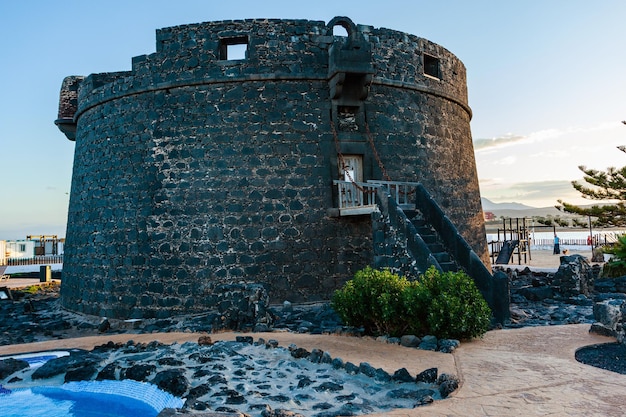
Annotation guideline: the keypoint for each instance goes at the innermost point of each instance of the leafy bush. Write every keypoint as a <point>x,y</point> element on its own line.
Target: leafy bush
<point>373,299</point>
<point>457,309</point>
<point>616,267</point>
<point>447,305</point>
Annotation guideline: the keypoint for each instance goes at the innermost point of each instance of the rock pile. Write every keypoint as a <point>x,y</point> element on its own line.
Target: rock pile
<point>565,297</point>
<point>244,376</point>
<point>36,317</point>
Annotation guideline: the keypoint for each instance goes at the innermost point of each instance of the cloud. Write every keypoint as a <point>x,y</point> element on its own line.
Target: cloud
<point>511,139</point>
<point>554,154</point>
<point>589,134</point>
<point>507,160</point>
<point>482,144</point>
<point>545,158</point>
<point>536,194</point>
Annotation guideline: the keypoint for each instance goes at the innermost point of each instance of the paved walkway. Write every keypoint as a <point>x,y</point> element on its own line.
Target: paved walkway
<point>14,283</point>
<point>543,260</point>
<point>521,372</point>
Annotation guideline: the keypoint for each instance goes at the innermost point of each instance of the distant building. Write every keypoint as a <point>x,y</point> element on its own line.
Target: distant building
<point>489,215</point>
<point>31,247</point>
<point>18,249</point>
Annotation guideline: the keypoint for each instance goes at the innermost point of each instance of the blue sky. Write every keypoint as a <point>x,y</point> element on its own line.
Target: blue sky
<point>546,80</point>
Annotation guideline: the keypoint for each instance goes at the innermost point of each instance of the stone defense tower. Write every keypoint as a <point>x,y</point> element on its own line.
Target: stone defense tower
<point>194,169</point>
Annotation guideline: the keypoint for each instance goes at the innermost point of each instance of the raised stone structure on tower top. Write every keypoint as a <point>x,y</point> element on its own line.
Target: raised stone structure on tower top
<point>201,168</point>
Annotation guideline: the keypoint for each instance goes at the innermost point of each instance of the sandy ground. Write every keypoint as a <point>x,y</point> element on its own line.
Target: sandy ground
<point>543,260</point>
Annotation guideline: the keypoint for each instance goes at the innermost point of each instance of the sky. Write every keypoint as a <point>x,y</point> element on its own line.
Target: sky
<point>546,82</point>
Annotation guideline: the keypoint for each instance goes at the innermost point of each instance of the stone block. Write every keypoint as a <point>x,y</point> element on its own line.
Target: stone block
<point>608,313</point>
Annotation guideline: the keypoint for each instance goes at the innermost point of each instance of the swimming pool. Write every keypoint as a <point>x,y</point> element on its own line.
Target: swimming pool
<point>88,399</point>
<point>36,359</point>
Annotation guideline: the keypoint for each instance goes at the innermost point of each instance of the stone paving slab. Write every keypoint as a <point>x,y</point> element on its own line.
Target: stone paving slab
<point>514,372</point>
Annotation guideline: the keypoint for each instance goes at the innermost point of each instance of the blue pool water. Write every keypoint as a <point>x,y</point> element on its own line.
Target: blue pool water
<point>88,399</point>
<point>36,359</point>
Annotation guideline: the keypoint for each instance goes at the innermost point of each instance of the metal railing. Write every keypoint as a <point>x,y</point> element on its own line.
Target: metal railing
<point>402,192</point>
<point>45,259</point>
<point>354,195</point>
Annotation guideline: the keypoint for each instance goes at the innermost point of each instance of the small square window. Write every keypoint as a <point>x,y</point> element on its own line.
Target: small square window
<point>431,66</point>
<point>234,48</point>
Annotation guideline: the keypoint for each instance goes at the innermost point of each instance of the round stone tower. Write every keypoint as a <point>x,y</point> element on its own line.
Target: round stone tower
<point>213,161</point>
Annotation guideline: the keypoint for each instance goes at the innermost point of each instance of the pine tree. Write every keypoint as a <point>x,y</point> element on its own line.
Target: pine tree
<point>609,185</point>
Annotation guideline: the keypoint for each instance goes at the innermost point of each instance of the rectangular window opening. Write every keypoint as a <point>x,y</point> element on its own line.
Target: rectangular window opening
<point>431,66</point>
<point>234,48</point>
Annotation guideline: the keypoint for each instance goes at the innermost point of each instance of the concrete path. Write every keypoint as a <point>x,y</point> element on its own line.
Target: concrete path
<point>17,283</point>
<point>520,372</point>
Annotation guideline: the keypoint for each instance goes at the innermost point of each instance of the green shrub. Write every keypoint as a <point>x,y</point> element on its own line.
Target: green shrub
<point>457,308</point>
<point>447,305</point>
<point>616,267</point>
<point>416,301</point>
<point>373,299</point>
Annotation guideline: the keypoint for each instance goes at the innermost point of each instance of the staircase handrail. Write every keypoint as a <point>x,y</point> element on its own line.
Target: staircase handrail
<point>416,246</point>
<point>494,288</point>
<point>457,246</point>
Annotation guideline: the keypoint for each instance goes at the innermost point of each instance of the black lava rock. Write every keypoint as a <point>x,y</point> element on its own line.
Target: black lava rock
<point>139,372</point>
<point>172,381</point>
<point>328,386</point>
<point>85,372</point>
<point>10,366</point>
<point>402,375</point>
<point>428,376</point>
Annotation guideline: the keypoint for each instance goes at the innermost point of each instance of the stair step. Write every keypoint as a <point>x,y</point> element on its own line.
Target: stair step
<point>432,240</point>
<point>410,214</point>
<point>442,257</point>
<point>419,223</point>
<point>448,266</point>
<point>429,239</point>
<point>423,230</point>
<point>436,247</point>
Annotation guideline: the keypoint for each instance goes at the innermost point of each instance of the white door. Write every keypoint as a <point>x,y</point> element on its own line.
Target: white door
<point>351,171</point>
<point>352,168</point>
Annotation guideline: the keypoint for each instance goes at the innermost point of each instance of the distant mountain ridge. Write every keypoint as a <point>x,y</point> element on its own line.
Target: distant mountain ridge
<point>489,205</point>
<point>518,210</point>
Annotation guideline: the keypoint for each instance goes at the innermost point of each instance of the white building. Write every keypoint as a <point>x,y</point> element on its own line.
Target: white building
<point>20,249</point>
<point>32,246</point>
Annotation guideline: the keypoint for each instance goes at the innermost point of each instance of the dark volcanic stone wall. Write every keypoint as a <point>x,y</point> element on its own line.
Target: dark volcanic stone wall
<point>193,171</point>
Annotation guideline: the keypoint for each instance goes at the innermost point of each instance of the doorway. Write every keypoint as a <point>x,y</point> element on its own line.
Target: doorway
<point>351,171</point>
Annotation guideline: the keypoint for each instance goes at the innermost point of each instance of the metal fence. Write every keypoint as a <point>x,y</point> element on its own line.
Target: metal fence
<point>599,240</point>
<point>47,259</point>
